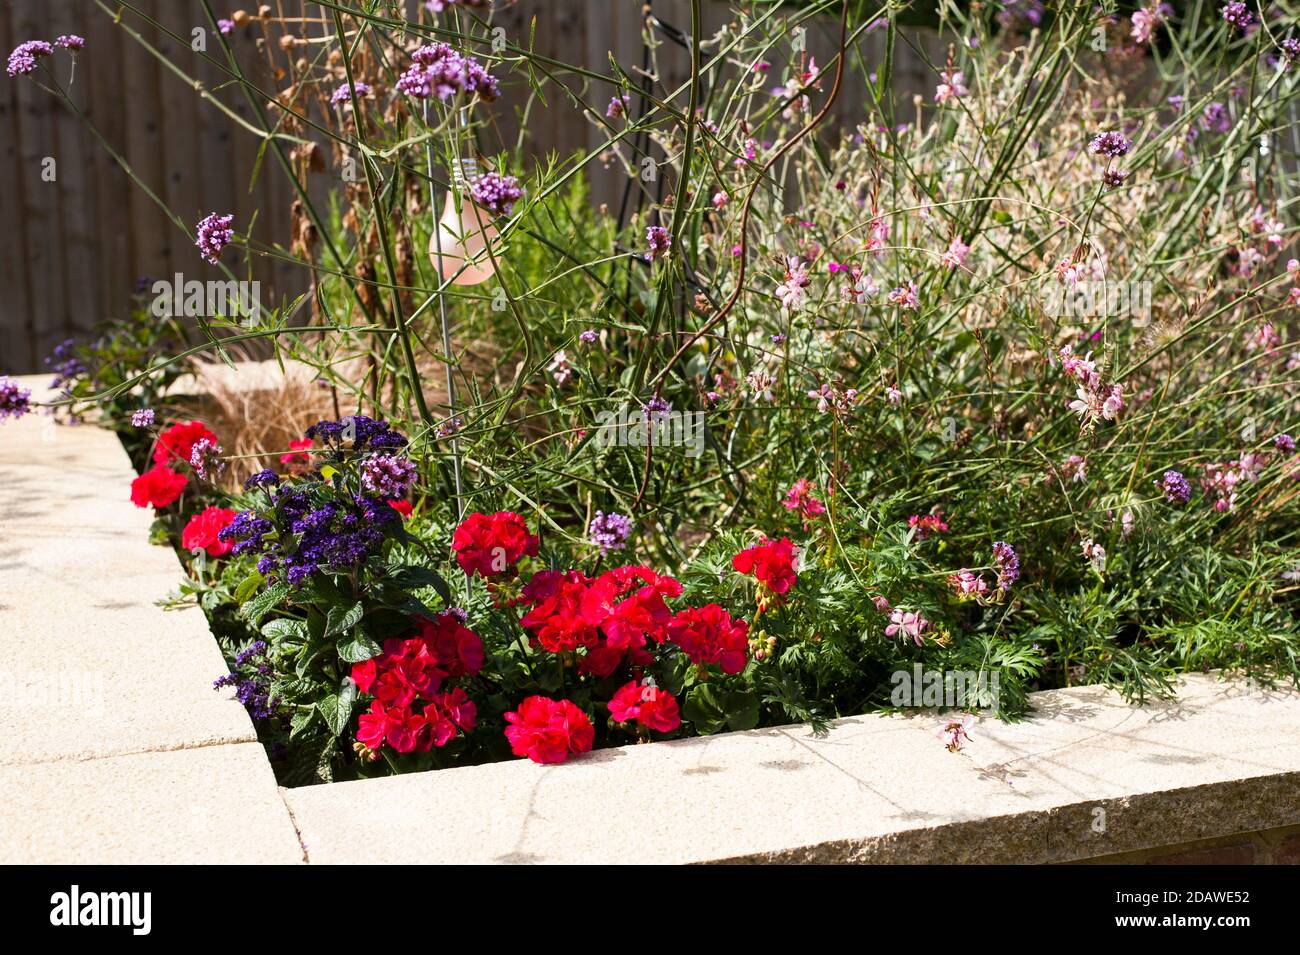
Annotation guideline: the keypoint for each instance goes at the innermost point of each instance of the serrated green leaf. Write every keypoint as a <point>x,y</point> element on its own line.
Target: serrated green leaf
<point>358,648</point>
<point>282,628</point>
<point>263,603</point>
<point>248,586</point>
<point>337,707</point>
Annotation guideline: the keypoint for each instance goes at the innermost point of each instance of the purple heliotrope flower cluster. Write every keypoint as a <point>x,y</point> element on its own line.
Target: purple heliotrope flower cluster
<point>264,478</point>
<point>15,401</point>
<point>388,475</point>
<point>1175,488</point>
<point>609,531</point>
<point>442,71</point>
<point>356,433</point>
<point>23,58</point>
<point>496,193</point>
<point>334,535</point>
<point>344,93</point>
<point>1110,144</point>
<point>214,234</point>
<point>251,678</point>
<point>1007,562</point>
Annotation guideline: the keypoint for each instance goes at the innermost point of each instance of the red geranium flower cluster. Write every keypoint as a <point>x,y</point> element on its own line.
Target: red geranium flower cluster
<point>708,635</point>
<point>202,530</point>
<point>611,617</point>
<point>407,731</point>
<point>547,731</point>
<point>157,487</point>
<point>771,563</point>
<point>162,485</point>
<point>492,544</point>
<point>177,442</point>
<point>651,707</point>
<point>411,671</point>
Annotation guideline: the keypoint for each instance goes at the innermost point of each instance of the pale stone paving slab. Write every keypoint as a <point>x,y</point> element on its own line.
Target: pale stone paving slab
<point>875,788</point>
<point>215,804</point>
<point>91,665</point>
<point>115,748</point>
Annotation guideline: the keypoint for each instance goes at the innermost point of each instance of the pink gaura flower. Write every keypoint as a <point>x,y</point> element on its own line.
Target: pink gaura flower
<point>952,87</point>
<point>955,257</point>
<point>954,730</point>
<point>968,585</point>
<point>907,623</point>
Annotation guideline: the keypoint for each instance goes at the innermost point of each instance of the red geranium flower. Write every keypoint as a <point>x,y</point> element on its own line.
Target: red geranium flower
<point>492,544</point>
<point>176,443</point>
<point>653,708</point>
<point>556,620</point>
<point>203,528</point>
<point>295,456</point>
<point>547,731</point>
<point>409,732</point>
<point>157,487</point>
<point>405,671</point>
<point>458,649</point>
<point>405,508</point>
<point>771,562</point>
<point>709,635</point>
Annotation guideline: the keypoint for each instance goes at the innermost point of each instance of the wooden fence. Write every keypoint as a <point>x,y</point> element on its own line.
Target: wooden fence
<point>73,244</point>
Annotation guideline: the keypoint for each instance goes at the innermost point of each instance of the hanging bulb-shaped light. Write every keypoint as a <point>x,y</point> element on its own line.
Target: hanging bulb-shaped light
<point>459,247</point>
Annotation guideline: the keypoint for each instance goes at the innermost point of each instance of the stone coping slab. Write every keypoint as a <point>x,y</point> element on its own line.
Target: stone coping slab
<point>1087,775</point>
<point>91,665</point>
<point>213,804</point>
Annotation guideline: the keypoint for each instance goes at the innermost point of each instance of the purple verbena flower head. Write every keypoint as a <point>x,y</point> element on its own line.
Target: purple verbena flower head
<point>659,239</point>
<point>214,234</point>
<point>1238,15</point>
<point>23,58</point>
<point>387,475</point>
<point>589,336</point>
<point>1110,144</point>
<point>343,95</point>
<point>1113,178</point>
<point>609,531</point>
<point>225,27</point>
<point>617,107</point>
<point>496,193</point>
<point>15,401</point>
<point>656,409</point>
<point>205,459</point>
<point>65,364</point>
<point>70,42</point>
<point>1284,443</point>
<point>142,418</point>
<point>1290,50</point>
<point>1175,488</point>
<point>437,6</point>
<point>1008,563</point>
<point>440,70</point>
